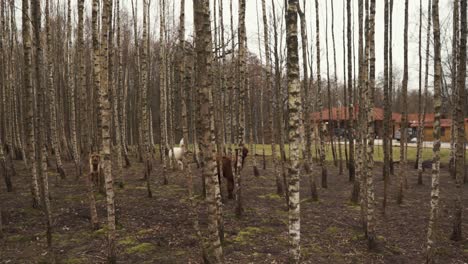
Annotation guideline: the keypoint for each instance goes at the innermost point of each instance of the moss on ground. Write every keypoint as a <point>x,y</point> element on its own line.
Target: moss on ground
<point>140,248</point>
<point>18,238</point>
<point>75,261</point>
<point>127,241</point>
<point>246,235</point>
<point>333,230</point>
<point>311,249</point>
<point>272,196</point>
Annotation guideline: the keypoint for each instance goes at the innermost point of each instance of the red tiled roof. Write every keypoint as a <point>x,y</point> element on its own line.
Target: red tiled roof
<point>430,123</point>
<point>341,113</point>
<point>414,117</point>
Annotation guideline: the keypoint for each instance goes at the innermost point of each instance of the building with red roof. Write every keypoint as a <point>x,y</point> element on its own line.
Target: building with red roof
<point>336,120</point>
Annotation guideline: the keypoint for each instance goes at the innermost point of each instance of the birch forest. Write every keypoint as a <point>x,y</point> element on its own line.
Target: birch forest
<point>233,131</point>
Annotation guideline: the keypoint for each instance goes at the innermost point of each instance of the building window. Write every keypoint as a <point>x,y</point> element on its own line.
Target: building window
<point>442,131</point>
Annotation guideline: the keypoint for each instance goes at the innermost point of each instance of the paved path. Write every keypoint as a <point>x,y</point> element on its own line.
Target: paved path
<point>426,144</point>
<point>412,144</point>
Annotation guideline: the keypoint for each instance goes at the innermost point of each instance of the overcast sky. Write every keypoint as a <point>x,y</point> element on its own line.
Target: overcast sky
<point>254,6</point>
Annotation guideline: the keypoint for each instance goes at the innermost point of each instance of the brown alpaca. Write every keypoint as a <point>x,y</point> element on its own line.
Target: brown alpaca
<point>95,171</point>
<point>227,173</point>
<point>226,163</point>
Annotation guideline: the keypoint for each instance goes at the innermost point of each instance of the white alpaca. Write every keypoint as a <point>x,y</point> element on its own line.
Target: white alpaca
<point>178,153</point>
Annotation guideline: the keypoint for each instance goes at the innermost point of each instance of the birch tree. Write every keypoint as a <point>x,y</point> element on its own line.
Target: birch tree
<point>51,95</point>
<point>73,106</point>
<point>295,109</point>
<point>350,120</point>
<point>269,87</point>
<point>28,84</point>
<point>404,114</point>
<point>203,45</point>
<point>460,118</point>
<point>242,86</point>
<point>387,140</point>
<point>319,101</point>
<point>371,237</point>
<point>105,115</point>
<point>144,100</point>
<point>435,189</point>
<point>426,84</point>
<point>305,104</point>
<point>40,122</point>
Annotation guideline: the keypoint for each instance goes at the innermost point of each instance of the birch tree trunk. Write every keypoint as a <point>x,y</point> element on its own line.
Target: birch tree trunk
<point>335,77</point>
<point>163,90</point>
<point>40,122</point>
<point>371,237</point>
<point>426,85</point>
<point>331,125</point>
<point>355,194</point>
<point>72,88</point>
<point>269,87</point>
<point>295,141</point>
<point>351,166</point>
<point>115,85</point>
<point>30,95</point>
<point>343,116</point>
<point>404,115</point>
<point>360,183</point>
<point>279,105</point>
<point>390,82</point>
<point>455,95</point>
<point>420,128</point>
<point>435,190</point>
<point>387,113</point>
<point>460,106</point>
<point>106,145</point>
<point>82,86</point>
<point>144,99</point>
<point>306,110</point>
<point>5,162</point>
<point>203,45</point>
<point>52,101</point>
<point>319,101</point>
<point>122,94</point>
<point>242,86</point>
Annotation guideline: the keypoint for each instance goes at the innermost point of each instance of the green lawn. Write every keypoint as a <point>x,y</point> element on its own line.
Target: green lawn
<point>378,152</point>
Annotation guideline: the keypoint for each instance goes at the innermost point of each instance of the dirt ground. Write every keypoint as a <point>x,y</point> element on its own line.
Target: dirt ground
<point>159,229</point>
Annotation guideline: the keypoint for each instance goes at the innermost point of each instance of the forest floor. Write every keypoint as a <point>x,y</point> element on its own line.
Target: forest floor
<point>159,229</point>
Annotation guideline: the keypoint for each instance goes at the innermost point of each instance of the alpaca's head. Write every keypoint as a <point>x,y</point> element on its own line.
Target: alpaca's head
<point>181,143</point>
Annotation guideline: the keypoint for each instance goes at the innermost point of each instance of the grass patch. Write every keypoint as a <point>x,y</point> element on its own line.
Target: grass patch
<point>311,249</point>
<point>127,241</point>
<point>272,196</point>
<point>75,261</point>
<point>245,235</point>
<point>357,237</point>
<point>18,238</point>
<point>353,206</point>
<point>140,249</point>
<point>100,232</point>
<point>172,188</point>
<point>144,231</point>
<point>81,236</point>
<point>378,152</point>
<point>332,230</point>
<point>72,198</point>
<point>179,253</point>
